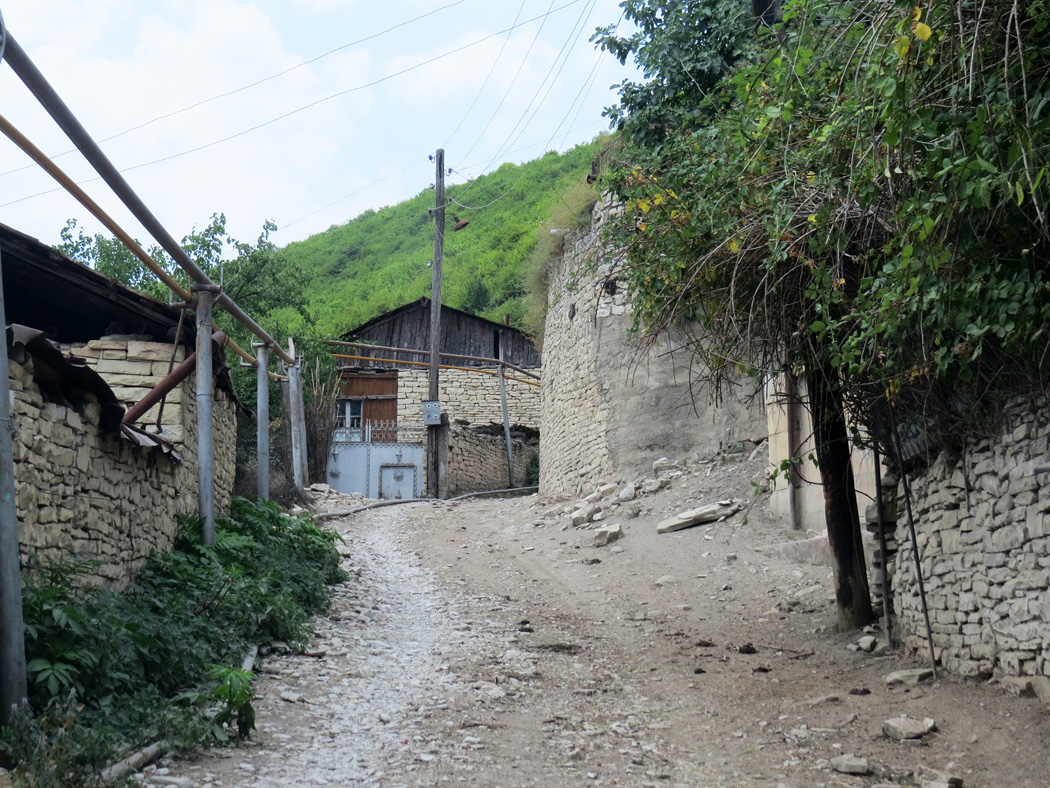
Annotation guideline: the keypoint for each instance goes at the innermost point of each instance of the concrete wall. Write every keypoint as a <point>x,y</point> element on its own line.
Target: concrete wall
<point>983,528</point>
<point>85,493</point>
<point>478,462</point>
<point>810,494</point>
<point>611,404</point>
<point>471,397</point>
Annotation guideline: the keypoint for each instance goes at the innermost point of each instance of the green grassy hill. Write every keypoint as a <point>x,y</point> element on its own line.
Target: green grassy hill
<point>378,260</point>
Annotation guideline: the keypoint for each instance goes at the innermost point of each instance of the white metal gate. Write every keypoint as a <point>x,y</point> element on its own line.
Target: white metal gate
<point>385,469</point>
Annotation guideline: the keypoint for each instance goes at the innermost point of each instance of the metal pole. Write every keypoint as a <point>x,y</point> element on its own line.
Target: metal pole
<point>791,412</point>
<point>300,420</point>
<point>897,449</point>
<point>295,393</point>
<point>30,75</point>
<point>883,573</point>
<point>262,416</point>
<point>506,420</point>
<point>12,630</point>
<point>434,466</point>
<point>205,400</point>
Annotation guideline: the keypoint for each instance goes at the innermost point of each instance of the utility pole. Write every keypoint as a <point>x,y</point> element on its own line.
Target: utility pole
<point>435,431</point>
<point>12,631</point>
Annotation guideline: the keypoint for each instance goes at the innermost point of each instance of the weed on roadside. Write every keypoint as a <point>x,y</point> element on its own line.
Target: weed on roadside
<point>153,661</point>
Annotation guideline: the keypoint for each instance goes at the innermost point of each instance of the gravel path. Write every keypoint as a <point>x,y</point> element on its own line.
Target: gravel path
<point>484,643</point>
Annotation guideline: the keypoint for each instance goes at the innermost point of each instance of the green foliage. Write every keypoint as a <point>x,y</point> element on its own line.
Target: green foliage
<point>53,749</point>
<point>871,195</point>
<point>683,47</point>
<point>378,261</point>
<point>188,613</point>
<point>571,212</point>
<point>532,471</point>
<point>235,692</point>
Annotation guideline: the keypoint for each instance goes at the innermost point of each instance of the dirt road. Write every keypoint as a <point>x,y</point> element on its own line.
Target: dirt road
<point>479,643</point>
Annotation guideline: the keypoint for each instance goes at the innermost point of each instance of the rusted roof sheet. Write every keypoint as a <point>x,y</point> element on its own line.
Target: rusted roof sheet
<point>73,303</point>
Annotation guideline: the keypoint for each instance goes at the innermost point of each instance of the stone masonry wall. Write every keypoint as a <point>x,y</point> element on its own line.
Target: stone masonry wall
<point>471,397</point>
<point>83,493</point>
<point>983,528</point>
<point>478,462</point>
<point>132,367</point>
<point>611,405</point>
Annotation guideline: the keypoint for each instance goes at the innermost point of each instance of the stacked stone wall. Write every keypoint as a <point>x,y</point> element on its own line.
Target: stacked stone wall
<point>983,535</point>
<point>478,462</point>
<point>469,397</point>
<point>612,403</point>
<point>80,492</point>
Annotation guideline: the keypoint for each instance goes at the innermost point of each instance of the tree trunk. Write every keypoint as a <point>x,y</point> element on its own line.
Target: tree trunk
<point>840,499</point>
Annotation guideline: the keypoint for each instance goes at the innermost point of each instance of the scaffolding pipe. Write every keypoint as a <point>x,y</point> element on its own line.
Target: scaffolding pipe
<point>425,364</point>
<point>385,348</point>
<point>78,135</point>
<point>52,169</point>
<point>205,400</point>
<point>262,418</point>
<point>174,378</point>
<point>12,632</point>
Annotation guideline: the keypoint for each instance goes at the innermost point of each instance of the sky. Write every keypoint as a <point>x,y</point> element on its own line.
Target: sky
<point>300,112</point>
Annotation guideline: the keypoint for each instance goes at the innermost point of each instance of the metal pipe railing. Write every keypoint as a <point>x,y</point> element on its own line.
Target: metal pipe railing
<point>493,361</point>
<point>9,130</point>
<point>41,89</point>
<point>425,364</point>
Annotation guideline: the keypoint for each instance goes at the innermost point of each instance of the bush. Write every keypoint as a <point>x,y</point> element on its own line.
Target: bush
<point>189,612</point>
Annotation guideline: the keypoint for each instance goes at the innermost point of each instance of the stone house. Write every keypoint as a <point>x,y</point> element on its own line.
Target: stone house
<point>82,349</point>
<point>383,391</point>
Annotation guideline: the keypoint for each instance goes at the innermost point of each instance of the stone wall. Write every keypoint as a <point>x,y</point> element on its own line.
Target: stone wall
<point>469,397</point>
<point>478,462</point>
<point>82,491</point>
<point>611,404</point>
<point>984,545</point>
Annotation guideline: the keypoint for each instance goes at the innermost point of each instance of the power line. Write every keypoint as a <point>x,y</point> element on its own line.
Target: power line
<point>580,22</point>
<point>258,82</point>
<point>488,76</point>
<point>313,103</point>
<point>511,85</point>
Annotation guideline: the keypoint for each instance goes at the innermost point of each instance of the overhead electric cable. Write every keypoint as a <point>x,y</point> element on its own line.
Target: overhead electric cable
<point>580,23</point>
<point>315,103</point>
<point>488,76</point>
<point>351,194</point>
<point>258,82</point>
<point>515,79</point>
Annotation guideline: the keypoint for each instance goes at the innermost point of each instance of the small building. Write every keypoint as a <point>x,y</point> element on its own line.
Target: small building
<point>378,446</point>
<point>82,349</point>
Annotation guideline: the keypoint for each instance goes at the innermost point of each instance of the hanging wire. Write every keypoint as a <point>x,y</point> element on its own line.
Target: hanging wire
<point>251,85</point>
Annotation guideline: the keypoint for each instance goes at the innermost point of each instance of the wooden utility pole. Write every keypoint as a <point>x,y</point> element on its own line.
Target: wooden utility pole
<point>435,431</point>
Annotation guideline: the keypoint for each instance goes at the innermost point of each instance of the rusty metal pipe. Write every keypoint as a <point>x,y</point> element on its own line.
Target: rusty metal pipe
<point>42,90</point>
<point>174,378</point>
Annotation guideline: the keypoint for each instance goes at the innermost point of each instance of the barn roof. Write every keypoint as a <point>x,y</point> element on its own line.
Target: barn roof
<point>424,304</point>
<point>71,302</point>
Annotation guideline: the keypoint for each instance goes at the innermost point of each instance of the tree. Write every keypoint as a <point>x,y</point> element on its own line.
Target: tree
<point>862,198</point>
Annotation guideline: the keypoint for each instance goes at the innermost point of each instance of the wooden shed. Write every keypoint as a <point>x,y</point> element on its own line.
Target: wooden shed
<point>462,333</point>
